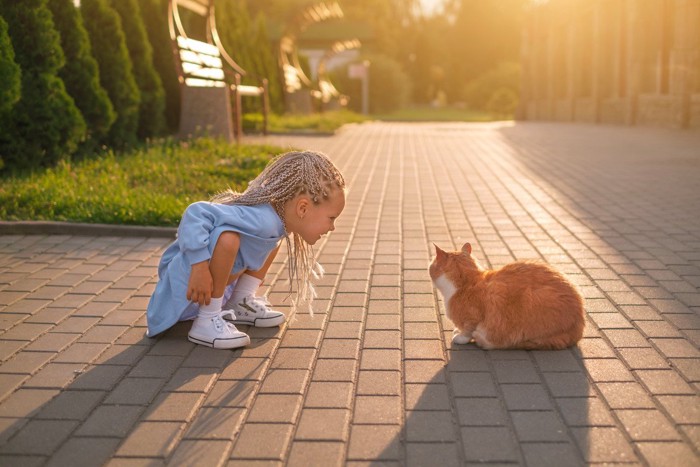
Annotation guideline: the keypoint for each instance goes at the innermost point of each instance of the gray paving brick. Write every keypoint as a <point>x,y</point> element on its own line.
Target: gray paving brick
<point>111,420</point>
<point>489,444</point>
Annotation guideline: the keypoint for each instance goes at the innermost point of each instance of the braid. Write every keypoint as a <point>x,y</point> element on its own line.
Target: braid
<point>286,176</point>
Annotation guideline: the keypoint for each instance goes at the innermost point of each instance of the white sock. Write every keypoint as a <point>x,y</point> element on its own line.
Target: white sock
<point>211,310</point>
<point>245,286</point>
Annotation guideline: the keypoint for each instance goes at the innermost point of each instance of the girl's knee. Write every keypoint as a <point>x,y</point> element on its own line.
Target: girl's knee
<point>227,241</point>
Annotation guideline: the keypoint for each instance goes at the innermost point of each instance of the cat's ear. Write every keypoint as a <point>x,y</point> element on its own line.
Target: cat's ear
<point>438,252</point>
<point>467,248</point>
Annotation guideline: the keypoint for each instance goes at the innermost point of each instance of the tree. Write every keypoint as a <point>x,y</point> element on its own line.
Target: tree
<point>155,19</point>
<point>104,27</point>
<point>44,125</point>
<point>9,71</point>
<point>80,73</point>
<point>152,106</point>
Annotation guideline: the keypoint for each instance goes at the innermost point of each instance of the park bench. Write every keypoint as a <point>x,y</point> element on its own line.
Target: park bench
<point>298,88</point>
<point>328,96</point>
<point>210,79</point>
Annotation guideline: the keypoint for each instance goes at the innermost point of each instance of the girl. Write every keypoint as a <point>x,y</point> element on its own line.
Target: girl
<point>227,246</point>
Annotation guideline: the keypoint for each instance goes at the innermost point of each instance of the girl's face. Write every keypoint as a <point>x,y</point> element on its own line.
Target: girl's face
<point>316,220</point>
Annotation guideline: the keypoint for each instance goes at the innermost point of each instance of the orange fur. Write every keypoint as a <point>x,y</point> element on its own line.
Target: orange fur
<point>523,305</point>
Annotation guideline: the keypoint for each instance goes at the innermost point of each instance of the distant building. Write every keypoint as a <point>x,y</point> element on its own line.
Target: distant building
<point>634,62</point>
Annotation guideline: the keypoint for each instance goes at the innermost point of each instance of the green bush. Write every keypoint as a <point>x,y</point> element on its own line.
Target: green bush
<point>155,19</point>
<point>80,73</point>
<point>480,91</point>
<point>503,103</point>
<point>152,106</point>
<point>44,125</point>
<point>116,76</point>
<point>389,86</point>
<point>9,71</point>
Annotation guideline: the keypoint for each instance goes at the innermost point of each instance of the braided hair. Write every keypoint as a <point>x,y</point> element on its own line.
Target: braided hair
<point>286,176</point>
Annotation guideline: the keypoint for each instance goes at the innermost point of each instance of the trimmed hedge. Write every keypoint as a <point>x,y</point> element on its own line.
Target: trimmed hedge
<point>116,76</point>
<point>81,74</point>
<point>152,106</point>
<point>44,126</point>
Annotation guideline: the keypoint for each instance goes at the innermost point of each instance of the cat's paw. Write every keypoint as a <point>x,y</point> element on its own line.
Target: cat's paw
<point>460,339</point>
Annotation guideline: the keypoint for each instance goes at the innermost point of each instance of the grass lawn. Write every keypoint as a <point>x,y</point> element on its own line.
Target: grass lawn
<point>150,186</point>
<point>432,114</point>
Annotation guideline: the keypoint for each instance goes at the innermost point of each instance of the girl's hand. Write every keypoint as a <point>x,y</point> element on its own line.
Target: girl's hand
<point>201,284</point>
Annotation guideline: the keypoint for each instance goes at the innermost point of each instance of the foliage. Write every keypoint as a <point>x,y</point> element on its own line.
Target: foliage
<point>116,76</point>
<point>44,125</point>
<point>247,43</point>
<point>148,186</point>
<point>154,14</point>
<point>9,71</point>
<point>152,106</point>
<point>487,33</point>
<point>80,73</point>
<point>503,103</point>
<point>389,86</point>
<point>504,79</point>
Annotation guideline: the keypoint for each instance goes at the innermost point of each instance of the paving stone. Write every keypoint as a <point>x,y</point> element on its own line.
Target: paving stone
<point>385,410</point>
<point>26,402</point>
<point>668,454</point>
<point>602,444</point>
<point>214,424</point>
<point>335,370</point>
<point>305,453</point>
<point>249,447</point>
<point>40,437</point>
<point>664,382</point>
<point>275,408</point>
<point>151,439</point>
<point>489,444</point>
<point>197,451</point>
<point>173,407</point>
<point>111,420</point>
<point>550,454</point>
<point>323,424</point>
<point>647,425</point>
<point>374,442</point>
<point>379,383</point>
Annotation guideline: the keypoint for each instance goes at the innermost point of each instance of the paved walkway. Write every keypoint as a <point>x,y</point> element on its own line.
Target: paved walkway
<point>373,375</point>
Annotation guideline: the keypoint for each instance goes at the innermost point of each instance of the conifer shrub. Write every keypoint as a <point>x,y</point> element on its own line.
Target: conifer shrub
<point>155,19</point>
<point>152,106</point>
<point>104,27</point>
<point>44,126</point>
<point>80,73</point>
<point>9,71</point>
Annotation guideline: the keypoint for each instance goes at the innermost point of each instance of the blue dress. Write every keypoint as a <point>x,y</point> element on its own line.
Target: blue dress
<point>260,230</point>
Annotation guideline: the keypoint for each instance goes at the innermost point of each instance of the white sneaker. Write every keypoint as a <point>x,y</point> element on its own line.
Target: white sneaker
<point>253,311</point>
<point>217,333</point>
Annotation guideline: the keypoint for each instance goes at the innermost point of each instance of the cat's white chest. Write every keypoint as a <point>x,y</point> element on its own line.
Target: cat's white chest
<point>447,289</point>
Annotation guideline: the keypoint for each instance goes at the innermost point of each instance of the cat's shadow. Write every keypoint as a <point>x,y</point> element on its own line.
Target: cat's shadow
<point>515,406</point>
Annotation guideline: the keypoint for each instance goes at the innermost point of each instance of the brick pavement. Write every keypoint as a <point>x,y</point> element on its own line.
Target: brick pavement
<point>372,376</point>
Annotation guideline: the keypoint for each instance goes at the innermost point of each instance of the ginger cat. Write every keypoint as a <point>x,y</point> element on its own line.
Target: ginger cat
<point>523,305</point>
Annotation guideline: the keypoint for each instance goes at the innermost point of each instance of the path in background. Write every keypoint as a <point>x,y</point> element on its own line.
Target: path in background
<point>373,375</point>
